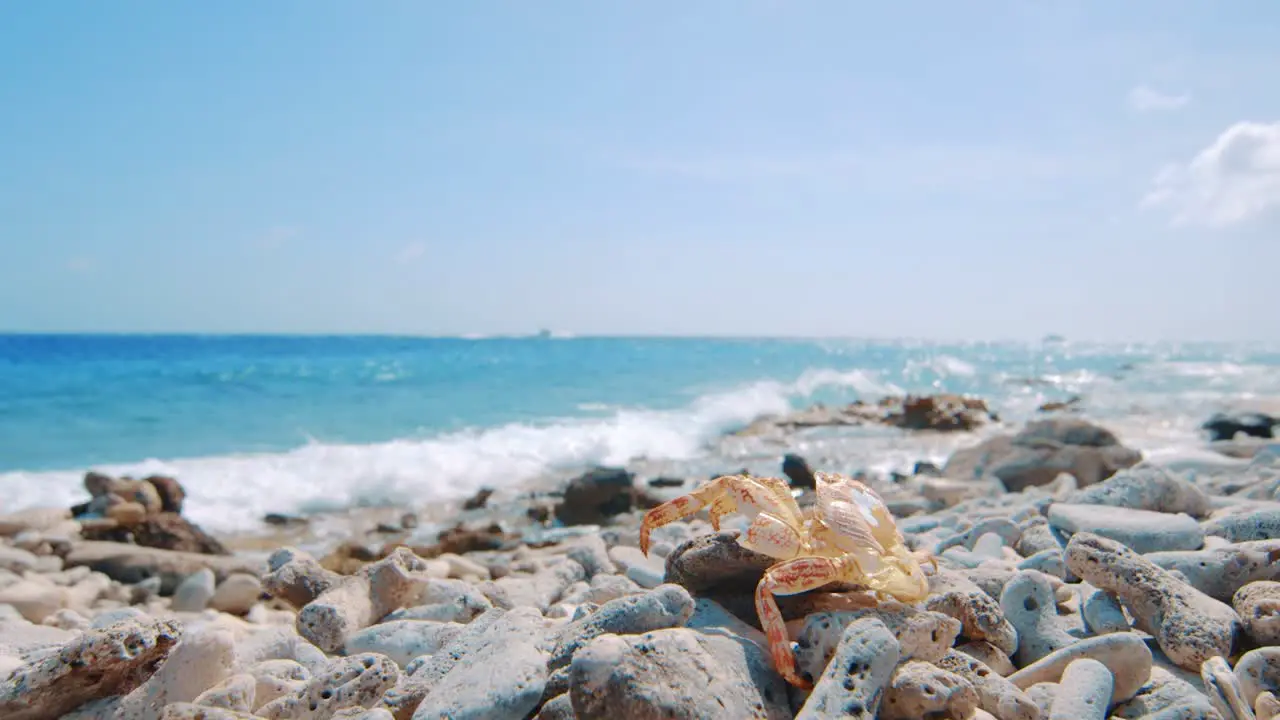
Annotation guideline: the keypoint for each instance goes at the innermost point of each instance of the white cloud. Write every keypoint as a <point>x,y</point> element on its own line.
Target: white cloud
<point>1147,99</point>
<point>411,252</point>
<point>1235,178</point>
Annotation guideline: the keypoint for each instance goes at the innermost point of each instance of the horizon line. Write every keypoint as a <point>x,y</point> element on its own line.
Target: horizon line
<point>569,335</point>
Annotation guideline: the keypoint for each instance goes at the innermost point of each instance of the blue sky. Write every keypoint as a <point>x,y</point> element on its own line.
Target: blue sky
<point>926,169</point>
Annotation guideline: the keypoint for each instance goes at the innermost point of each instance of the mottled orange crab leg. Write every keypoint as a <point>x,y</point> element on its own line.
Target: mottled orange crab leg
<point>792,578</point>
<point>713,493</point>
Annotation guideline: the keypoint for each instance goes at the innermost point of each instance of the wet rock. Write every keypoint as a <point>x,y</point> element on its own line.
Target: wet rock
<point>96,664</point>
<point>477,501</point>
<point>595,496</point>
<point>1222,426</point>
<point>798,471</point>
<point>1189,626</point>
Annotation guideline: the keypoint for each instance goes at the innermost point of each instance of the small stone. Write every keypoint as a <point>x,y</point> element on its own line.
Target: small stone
<point>854,682</point>
<point>920,689</point>
<point>1258,605</point>
<point>195,592</point>
<point>1141,530</point>
<point>1084,693</point>
<point>1125,654</point>
<point>237,594</point>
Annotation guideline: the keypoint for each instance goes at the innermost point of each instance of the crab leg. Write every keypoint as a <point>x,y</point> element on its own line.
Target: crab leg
<point>792,578</point>
<point>719,495</point>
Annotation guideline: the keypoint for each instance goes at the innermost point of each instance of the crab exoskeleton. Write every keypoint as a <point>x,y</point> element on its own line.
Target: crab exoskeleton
<point>849,536</point>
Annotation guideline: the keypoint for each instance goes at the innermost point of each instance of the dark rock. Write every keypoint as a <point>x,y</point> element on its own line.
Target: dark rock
<point>477,501</point>
<point>923,467</point>
<point>170,490</point>
<point>1226,427</point>
<point>460,540</point>
<point>1071,403</point>
<point>165,530</point>
<point>595,496</point>
<point>281,520</point>
<point>798,471</point>
<point>716,562</point>
<point>943,412</point>
<point>349,557</point>
<point>666,482</point>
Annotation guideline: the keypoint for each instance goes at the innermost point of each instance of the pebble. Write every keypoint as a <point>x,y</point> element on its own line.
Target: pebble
<point>1029,604</point>
<point>1084,693</point>
<point>237,594</point>
<point>1143,531</point>
<point>1258,605</point>
<point>195,592</point>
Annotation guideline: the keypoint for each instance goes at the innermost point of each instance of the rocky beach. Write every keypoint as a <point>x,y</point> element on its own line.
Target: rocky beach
<point>1075,579</point>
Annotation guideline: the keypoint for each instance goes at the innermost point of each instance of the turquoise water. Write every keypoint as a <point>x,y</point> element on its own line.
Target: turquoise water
<point>254,424</point>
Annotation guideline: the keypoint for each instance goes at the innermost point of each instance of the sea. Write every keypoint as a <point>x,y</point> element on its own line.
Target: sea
<point>310,424</point>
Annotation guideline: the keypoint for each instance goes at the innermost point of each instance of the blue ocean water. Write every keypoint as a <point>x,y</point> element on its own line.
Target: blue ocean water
<point>254,424</point>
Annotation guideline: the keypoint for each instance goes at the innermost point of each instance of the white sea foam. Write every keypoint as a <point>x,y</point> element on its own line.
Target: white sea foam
<point>1156,407</point>
<point>234,492</point>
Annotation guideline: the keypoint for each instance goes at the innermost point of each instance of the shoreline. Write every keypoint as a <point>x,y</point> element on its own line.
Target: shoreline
<point>1050,539</point>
